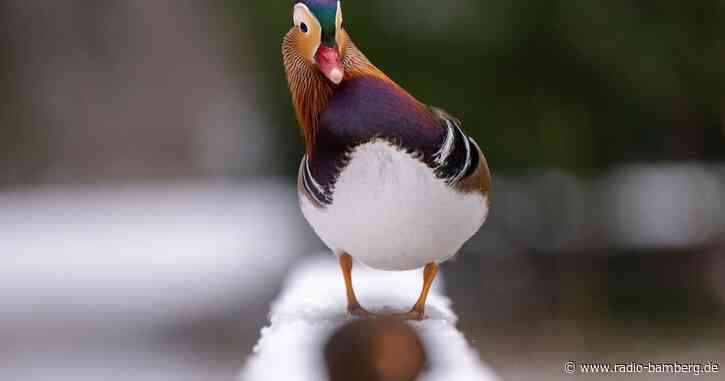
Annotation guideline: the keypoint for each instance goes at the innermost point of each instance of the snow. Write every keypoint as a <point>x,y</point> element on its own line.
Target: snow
<point>127,361</point>
<point>312,305</point>
<point>665,206</point>
<point>146,255</point>
<point>104,282</point>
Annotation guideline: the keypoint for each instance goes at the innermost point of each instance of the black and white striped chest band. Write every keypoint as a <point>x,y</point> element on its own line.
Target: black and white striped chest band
<point>318,193</point>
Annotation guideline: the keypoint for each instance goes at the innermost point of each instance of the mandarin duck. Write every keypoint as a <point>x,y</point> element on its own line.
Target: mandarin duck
<point>385,179</point>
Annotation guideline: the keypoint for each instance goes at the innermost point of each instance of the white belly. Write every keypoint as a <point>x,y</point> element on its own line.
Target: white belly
<point>390,212</point>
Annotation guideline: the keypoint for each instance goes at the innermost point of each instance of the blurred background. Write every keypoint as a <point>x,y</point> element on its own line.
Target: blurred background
<point>148,154</point>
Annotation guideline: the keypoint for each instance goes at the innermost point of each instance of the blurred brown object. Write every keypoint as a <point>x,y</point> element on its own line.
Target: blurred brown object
<point>379,349</point>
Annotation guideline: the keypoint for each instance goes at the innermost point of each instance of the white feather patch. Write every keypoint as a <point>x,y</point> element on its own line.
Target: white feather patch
<point>441,156</point>
<point>391,212</point>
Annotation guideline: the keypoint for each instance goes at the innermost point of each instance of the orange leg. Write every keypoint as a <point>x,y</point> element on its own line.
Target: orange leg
<point>418,310</point>
<point>353,306</point>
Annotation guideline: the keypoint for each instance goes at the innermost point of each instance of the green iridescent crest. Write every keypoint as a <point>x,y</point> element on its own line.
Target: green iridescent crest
<point>326,13</point>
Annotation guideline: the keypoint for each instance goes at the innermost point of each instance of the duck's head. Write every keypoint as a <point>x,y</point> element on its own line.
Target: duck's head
<point>318,35</point>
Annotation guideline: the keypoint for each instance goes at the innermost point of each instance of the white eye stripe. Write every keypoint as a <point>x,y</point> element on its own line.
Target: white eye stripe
<point>313,35</point>
<point>302,14</point>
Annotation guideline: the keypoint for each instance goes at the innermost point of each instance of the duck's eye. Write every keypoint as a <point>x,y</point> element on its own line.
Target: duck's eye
<point>303,28</point>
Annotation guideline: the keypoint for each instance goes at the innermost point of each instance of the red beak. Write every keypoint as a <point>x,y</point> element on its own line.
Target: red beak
<point>328,60</point>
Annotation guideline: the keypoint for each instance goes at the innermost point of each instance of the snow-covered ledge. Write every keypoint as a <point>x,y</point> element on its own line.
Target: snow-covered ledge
<point>312,306</point>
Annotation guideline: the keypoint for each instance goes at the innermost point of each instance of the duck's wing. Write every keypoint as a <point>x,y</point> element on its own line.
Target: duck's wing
<point>460,161</point>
